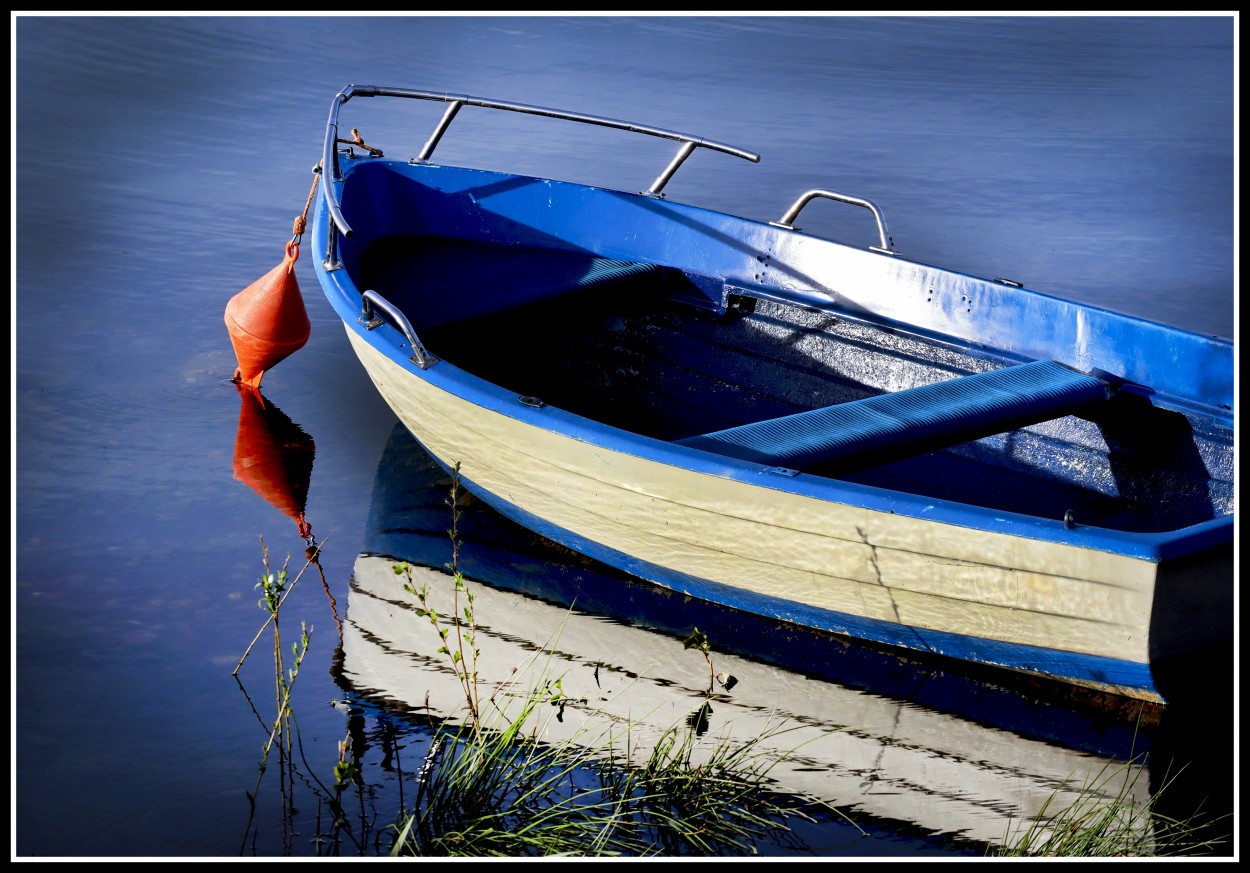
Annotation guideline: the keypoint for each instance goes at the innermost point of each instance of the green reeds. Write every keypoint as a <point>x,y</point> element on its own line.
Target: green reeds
<point>282,731</point>
<point>489,789</point>
<point>274,589</point>
<point>1098,826</point>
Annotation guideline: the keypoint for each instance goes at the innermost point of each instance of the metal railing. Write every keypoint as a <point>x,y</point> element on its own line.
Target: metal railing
<point>787,220</point>
<point>371,300</point>
<point>330,165</point>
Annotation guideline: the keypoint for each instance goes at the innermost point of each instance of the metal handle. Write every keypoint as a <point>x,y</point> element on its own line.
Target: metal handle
<point>330,153</point>
<point>371,299</point>
<point>787,220</point>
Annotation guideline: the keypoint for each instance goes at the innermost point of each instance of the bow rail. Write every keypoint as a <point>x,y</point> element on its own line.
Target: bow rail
<point>456,101</point>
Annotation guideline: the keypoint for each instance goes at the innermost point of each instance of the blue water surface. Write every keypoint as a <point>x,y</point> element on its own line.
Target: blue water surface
<point>160,163</point>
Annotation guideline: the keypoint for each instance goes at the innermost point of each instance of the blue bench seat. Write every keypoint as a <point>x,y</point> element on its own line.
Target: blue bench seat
<point>889,427</point>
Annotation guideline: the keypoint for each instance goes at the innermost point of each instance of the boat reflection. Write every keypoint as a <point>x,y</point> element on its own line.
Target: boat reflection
<point>870,734</point>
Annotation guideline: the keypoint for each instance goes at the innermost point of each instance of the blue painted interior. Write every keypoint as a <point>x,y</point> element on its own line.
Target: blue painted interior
<point>517,213</point>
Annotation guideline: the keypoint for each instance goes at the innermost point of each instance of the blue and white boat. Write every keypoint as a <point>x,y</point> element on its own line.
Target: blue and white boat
<point>826,436</point>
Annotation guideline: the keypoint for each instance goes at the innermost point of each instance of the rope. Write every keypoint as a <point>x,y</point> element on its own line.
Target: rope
<point>357,141</point>
<point>301,221</point>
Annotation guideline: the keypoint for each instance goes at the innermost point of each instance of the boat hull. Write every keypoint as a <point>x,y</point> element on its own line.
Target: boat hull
<point>1053,609</point>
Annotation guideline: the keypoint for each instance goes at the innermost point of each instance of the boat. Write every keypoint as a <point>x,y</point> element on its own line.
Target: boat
<point>891,764</point>
<point>821,435</point>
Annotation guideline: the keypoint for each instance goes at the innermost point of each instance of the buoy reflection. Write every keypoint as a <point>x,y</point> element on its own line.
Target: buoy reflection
<point>273,456</point>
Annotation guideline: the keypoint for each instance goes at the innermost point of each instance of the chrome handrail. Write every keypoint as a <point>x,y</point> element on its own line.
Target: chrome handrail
<point>371,299</point>
<point>787,220</point>
<point>456,101</point>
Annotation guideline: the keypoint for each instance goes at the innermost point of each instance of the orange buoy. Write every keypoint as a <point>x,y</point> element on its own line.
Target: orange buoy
<point>273,456</point>
<point>267,320</point>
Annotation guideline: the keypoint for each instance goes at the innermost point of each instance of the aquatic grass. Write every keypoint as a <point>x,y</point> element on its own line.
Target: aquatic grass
<point>1095,826</point>
<point>713,799</point>
<point>283,730</point>
<point>493,790</point>
<point>274,591</point>
<point>459,635</point>
<point>488,787</point>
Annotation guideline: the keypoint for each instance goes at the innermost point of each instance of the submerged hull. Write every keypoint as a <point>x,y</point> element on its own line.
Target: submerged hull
<point>960,549</point>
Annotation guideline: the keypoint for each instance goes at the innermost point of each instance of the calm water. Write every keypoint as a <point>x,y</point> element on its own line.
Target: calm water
<point>160,163</point>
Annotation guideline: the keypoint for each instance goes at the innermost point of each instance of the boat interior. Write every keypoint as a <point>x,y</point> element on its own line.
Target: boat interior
<point>805,388</point>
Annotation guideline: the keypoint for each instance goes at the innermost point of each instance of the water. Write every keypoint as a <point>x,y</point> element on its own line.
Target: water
<point>160,163</point>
